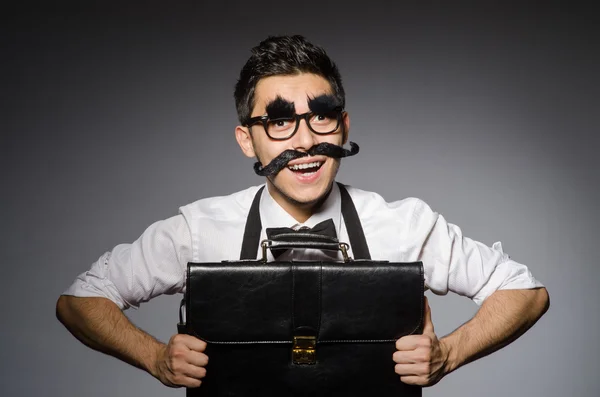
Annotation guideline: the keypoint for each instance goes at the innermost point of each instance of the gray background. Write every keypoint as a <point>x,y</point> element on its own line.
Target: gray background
<point>113,117</point>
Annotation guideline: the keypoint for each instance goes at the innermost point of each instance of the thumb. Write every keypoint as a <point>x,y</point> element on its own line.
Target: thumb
<point>427,323</point>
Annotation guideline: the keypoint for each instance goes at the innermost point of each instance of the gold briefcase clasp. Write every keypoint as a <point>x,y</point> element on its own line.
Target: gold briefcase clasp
<point>304,350</point>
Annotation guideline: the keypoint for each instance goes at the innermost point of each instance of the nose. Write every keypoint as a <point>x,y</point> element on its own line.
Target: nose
<point>304,138</point>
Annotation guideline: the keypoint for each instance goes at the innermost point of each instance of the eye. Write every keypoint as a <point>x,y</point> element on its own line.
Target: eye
<point>321,118</point>
<point>280,124</point>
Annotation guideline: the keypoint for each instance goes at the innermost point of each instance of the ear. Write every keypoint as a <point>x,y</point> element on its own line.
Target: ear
<point>346,121</point>
<point>244,139</point>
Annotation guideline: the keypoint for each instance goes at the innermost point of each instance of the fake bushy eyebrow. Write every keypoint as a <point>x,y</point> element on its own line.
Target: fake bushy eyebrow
<point>280,108</point>
<point>324,103</point>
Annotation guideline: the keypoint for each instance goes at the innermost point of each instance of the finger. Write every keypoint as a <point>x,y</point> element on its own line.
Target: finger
<point>427,323</point>
<point>412,342</point>
<point>409,357</point>
<point>196,358</point>
<point>189,341</point>
<point>193,371</point>
<point>409,342</point>
<point>186,381</point>
<point>413,380</point>
<point>195,344</point>
<point>411,369</point>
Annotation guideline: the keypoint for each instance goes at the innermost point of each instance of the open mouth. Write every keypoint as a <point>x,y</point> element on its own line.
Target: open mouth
<point>306,169</point>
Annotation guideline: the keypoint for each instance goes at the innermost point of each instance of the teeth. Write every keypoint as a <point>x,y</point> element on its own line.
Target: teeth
<point>297,167</point>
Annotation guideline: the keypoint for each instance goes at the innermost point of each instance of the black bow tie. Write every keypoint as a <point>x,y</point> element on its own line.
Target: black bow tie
<point>325,228</point>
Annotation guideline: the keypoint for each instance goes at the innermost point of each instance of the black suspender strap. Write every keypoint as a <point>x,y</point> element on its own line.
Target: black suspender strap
<point>358,242</point>
<point>253,228</point>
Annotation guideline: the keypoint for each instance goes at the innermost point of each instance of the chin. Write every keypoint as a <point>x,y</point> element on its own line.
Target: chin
<point>303,195</point>
<point>308,198</point>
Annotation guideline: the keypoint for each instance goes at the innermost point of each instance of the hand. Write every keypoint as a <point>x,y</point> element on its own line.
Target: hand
<point>421,359</point>
<point>181,362</point>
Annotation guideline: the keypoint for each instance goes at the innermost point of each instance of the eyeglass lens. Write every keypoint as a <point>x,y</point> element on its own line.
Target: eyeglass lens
<point>324,123</point>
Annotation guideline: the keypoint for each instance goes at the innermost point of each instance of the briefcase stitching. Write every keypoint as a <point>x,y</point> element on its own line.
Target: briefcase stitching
<point>358,340</point>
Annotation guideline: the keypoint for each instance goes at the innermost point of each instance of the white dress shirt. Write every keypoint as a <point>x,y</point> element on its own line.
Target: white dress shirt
<point>212,229</point>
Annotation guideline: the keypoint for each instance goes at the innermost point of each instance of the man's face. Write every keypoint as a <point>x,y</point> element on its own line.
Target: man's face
<point>293,187</point>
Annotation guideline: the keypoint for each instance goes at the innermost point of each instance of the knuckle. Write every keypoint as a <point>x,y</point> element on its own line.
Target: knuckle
<point>196,373</point>
<point>179,380</point>
<point>177,355</point>
<point>176,339</point>
<point>176,367</point>
<point>426,369</point>
<point>419,355</point>
<point>174,350</point>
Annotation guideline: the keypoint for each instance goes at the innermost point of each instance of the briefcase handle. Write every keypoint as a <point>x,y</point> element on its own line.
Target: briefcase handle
<point>304,240</point>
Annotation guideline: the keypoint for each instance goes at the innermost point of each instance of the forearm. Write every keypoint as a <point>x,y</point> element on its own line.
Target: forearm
<point>503,317</point>
<point>101,325</point>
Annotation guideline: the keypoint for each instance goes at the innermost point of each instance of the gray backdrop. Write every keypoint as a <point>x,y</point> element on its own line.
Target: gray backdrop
<point>113,117</point>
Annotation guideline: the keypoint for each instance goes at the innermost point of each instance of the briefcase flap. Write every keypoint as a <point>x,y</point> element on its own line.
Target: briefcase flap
<point>253,302</point>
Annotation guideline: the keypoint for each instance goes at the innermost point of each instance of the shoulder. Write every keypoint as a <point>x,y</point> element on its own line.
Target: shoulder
<point>371,205</point>
<point>221,208</point>
<point>396,229</point>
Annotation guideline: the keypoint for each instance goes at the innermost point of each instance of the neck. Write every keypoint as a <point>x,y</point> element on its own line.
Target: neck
<point>298,210</point>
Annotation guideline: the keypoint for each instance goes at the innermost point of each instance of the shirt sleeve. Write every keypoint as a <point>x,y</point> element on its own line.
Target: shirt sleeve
<point>453,262</point>
<point>133,273</point>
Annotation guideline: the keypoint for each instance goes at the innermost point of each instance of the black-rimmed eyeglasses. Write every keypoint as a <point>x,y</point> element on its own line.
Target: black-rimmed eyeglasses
<point>283,128</point>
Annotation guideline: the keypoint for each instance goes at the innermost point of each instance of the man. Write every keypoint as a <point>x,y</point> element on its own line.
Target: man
<point>290,104</point>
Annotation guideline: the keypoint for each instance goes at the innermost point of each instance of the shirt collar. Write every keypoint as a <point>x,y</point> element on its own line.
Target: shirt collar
<point>273,215</point>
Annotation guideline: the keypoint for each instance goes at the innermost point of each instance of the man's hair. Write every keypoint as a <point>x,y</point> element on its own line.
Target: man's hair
<point>283,55</point>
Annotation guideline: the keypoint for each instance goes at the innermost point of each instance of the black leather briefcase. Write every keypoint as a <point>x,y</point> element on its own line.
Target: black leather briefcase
<point>324,328</point>
<point>302,328</point>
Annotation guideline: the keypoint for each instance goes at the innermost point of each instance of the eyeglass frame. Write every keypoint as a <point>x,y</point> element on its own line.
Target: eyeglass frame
<point>297,117</point>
